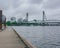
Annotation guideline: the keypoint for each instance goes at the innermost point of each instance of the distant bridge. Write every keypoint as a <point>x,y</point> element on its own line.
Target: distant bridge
<point>47,23</point>
<point>44,21</point>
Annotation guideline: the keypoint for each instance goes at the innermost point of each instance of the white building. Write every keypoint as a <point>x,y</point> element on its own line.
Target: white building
<point>20,20</point>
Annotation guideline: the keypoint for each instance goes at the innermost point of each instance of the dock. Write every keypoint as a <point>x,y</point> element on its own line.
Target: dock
<point>9,39</point>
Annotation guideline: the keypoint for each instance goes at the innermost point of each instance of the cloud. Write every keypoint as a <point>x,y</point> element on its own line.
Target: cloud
<point>19,8</point>
<point>52,9</point>
<point>52,4</point>
<point>35,1</point>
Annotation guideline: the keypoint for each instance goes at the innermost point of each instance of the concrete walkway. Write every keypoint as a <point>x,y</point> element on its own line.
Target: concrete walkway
<point>9,39</point>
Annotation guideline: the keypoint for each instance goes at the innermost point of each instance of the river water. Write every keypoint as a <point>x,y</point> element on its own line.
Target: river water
<point>41,36</point>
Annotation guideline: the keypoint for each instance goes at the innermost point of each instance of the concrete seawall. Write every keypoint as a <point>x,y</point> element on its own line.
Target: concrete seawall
<point>27,44</point>
<point>9,39</point>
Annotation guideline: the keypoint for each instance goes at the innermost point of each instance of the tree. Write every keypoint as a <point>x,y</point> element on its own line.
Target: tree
<point>8,23</point>
<point>14,23</point>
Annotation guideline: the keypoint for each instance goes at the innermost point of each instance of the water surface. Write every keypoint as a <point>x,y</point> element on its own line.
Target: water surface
<point>41,36</point>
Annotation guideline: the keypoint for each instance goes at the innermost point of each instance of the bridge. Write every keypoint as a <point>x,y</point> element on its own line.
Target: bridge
<point>44,21</point>
<point>50,22</point>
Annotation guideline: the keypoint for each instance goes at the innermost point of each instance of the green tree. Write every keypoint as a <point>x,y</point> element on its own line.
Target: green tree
<point>14,23</point>
<point>8,23</point>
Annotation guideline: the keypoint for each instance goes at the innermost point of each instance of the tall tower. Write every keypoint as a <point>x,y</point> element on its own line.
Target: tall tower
<point>44,17</point>
<point>27,17</point>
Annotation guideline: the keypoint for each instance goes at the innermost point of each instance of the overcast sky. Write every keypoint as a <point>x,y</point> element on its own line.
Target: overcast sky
<point>18,8</point>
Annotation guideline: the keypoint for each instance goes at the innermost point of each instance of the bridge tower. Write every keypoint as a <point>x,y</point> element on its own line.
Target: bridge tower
<point>27,17</point>
<point>44,17</point>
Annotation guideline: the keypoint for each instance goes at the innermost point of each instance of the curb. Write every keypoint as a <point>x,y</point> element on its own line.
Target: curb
<point>27,44</point>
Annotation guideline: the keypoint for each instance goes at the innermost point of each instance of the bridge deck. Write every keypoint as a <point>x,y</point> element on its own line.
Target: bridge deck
<point>9,39</point>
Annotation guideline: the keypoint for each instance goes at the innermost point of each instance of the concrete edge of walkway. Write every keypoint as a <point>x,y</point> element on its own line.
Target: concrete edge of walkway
<point>28,45</point>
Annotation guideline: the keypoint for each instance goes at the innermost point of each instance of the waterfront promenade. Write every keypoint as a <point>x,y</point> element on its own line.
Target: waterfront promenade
<point>9,39</point>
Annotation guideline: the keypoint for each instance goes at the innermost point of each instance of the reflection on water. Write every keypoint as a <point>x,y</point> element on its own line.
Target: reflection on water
<point>41,37</point>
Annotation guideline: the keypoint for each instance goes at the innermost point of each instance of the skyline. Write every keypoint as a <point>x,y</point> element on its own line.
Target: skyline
<point>19,8</point>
